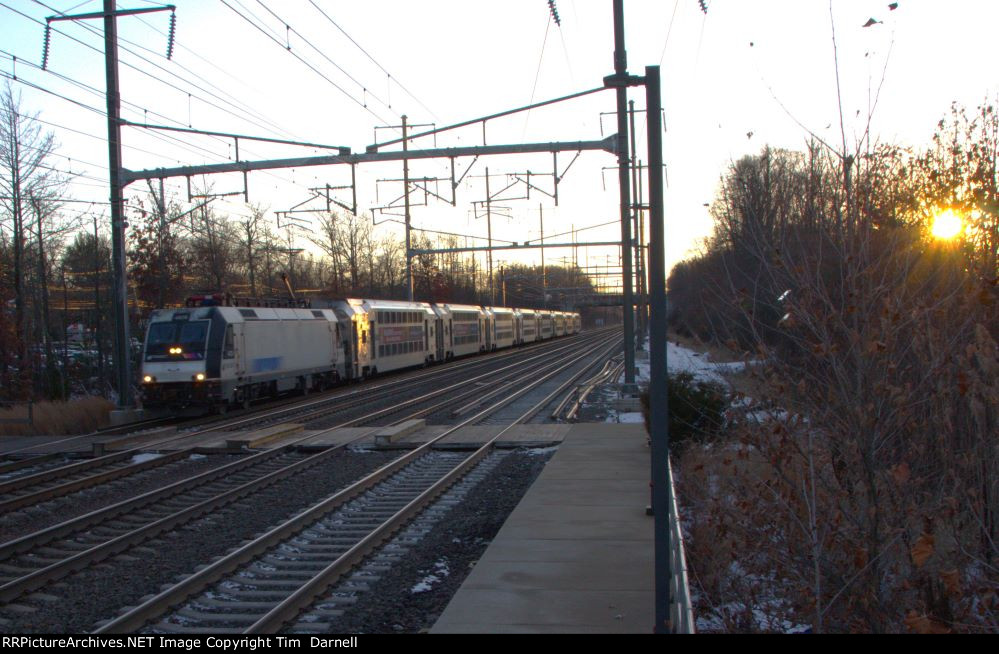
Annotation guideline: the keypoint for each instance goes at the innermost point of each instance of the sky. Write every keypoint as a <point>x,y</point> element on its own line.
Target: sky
<point>745,74</point>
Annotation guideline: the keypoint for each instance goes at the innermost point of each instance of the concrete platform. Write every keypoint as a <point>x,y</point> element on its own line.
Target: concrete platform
<point>576,555</point>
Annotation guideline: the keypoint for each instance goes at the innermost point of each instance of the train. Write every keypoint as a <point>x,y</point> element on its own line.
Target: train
<point>215,352</point>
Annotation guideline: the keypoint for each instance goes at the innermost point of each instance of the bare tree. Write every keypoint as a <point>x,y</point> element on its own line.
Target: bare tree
<point>213,248</point>
<point>251,233</point>
<point>25,175</point>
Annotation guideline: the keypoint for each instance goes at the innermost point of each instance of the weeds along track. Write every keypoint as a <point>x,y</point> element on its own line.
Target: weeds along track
<point>271,580</point>
<point>36,560</point>
<point>27,486</point>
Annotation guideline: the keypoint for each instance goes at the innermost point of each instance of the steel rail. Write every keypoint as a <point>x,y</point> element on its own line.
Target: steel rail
<point>18,464</point>
<point>445,368</point>
<point>304,596</point>
<point>72,486</point>
<point>361,396</point>
<point>138,616</point>
<point>38,578</point>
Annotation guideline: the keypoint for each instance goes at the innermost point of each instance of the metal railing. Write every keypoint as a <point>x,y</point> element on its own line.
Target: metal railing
<point>681,611</point>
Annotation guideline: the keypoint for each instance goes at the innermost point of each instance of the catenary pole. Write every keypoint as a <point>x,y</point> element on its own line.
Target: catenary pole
<point>122,351</point>
<point>659,404</point>
<point>621,70</point>
<point>405,181</point>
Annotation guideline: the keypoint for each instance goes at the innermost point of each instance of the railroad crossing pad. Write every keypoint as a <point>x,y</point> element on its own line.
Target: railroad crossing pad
<point>22,446</point>
<point>576,555</point>
<point>265,436</point>
<point>470,437</point>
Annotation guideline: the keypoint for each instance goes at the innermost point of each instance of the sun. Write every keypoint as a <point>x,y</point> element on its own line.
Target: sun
<point>946,225</point>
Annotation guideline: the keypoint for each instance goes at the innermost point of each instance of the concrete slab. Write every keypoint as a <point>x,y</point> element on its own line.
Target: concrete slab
<point>539,549</point>
<point>576,556</point>
<point>581,522</point>
<point>573,573</point>
<point>566,490</point>
<point>32,445</point>
<point>561,611</point>
<point>325,438</point>
<point>475,628</point>
<point>387,435</point>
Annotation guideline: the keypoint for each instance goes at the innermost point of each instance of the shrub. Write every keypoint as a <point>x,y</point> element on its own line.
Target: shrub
<point>695,410</point>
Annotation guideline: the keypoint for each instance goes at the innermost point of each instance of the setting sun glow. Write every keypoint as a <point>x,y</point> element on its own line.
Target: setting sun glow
<point>946,225</point>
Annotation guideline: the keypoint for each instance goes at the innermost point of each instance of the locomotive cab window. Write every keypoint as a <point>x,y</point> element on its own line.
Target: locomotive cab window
<point>229,351</point>
<point>186,339</point>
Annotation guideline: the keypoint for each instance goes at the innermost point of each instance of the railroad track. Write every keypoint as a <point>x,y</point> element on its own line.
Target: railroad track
<point>42,486</point>
<point>31,562</point>
<point>270,580</point>
<point>31,489</point>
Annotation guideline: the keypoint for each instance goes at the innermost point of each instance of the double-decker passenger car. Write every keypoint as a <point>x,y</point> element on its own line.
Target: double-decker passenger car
<point>501,321</point>
<point>527,326</point>
<point>467,326</point>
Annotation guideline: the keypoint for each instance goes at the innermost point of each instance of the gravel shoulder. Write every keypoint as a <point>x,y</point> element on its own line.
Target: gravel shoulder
<point>412,595</point>
<point>76,603</point>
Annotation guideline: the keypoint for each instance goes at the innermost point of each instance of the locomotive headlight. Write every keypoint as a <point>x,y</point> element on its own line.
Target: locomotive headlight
<point>175,350</point>
<point>199,377</point>
<point>148,379</point>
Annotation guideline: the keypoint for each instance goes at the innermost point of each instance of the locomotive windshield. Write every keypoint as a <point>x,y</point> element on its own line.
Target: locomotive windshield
<point>187,337</point>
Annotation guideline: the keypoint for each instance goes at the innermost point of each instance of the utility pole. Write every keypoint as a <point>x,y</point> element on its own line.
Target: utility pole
<point>635,212</point>
<point>503,284</point>
<point>621,71</point>
<point>161,205</point>
<point>544,276</point>
<point>122,352</point>
<point>489,227</point>
<point>98,332</point>
<point>405,182</point>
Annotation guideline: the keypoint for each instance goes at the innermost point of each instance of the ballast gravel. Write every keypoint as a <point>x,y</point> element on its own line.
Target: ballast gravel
<point>76,603</point>
<point>412,594</point>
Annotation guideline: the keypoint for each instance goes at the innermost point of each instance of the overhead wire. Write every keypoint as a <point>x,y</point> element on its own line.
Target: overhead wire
<point>324,56</point>
<point>97,32</point>
<point>168,119</point>
<point>307,64</point>
<point>159,136</point>
<point>209,62</point>
<point>265,123</point>
<point>175,141</point>
<point>245,150</point>
<point>537,74</point>
<point>368,55</point>
<point>162,137</point>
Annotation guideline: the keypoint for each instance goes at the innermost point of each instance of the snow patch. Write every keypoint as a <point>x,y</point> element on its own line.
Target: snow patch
<point>145,456</point>
<point>699,364</point>
<point>441,570</point>
<point>540,451</point>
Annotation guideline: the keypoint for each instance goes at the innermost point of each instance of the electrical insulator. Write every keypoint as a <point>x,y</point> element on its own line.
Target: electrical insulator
<point>170,34</point>
<point>45,46</point>
<point>704,5</point>
<point>552,8</point>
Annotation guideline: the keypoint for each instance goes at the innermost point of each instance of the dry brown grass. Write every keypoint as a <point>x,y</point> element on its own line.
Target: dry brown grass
<point>58,418</point>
